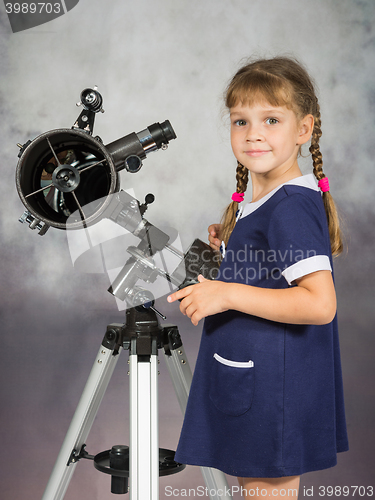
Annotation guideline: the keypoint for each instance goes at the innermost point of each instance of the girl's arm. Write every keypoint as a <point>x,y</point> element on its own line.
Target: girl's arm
<point>312,301</point>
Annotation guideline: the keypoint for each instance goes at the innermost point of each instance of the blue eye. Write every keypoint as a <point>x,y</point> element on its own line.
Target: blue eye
<point>272,121</point>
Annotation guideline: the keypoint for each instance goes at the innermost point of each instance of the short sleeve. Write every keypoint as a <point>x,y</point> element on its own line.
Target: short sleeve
<point>298,236</point>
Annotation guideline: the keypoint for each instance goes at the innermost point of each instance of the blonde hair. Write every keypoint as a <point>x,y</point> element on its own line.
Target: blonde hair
<point>280,81</point>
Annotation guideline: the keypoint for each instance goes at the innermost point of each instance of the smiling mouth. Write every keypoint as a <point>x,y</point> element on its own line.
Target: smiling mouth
<point>256,152</point>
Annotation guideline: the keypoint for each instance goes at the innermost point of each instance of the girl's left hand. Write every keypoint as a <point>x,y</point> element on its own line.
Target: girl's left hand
<point>203,299</point>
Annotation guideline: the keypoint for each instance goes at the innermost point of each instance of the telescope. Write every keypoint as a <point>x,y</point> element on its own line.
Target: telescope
<point>61,171</point>
<point>68,179</point>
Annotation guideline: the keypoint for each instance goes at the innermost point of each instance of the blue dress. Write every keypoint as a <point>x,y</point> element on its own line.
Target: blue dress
<point>266,398</point>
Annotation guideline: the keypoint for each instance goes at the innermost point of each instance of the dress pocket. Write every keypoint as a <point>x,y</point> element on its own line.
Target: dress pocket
<point>232,385</point>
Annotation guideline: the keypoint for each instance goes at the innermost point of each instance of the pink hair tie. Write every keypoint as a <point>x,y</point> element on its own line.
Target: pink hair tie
<point>238,197</point>
<point>324,184</point>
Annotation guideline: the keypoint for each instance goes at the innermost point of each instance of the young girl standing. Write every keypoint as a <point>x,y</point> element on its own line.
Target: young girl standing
<point>266,401</point>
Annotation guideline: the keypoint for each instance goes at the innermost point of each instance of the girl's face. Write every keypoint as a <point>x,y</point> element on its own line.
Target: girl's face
<point>266,139</point>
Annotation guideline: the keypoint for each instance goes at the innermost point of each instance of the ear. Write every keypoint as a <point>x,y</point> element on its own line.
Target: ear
<point>306,127</point>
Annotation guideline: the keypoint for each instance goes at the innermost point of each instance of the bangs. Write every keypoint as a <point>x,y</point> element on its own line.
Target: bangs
<point>258,87</point>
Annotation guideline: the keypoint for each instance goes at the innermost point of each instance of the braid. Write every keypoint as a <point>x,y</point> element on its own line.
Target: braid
<point>242,178</point>
<point>229,217</point>
<point>329,204</point>
<point>314,148</point>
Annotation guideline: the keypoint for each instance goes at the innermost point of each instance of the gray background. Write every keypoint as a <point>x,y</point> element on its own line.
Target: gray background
<point>157,60</point>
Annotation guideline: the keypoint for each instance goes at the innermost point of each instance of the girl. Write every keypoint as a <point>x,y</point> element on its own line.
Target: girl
<point>266,402</point>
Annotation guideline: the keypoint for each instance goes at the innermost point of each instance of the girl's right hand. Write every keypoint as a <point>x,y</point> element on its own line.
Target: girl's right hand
<point>214,235</point>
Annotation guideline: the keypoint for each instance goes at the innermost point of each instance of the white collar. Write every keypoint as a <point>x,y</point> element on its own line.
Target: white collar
<point>307,181</point>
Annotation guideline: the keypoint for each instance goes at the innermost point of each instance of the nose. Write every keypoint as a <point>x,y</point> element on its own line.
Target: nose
<point>253,133</point>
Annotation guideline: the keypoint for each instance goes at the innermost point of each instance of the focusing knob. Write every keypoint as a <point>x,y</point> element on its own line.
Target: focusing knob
<point>133,164</point>
<point>150,198</point>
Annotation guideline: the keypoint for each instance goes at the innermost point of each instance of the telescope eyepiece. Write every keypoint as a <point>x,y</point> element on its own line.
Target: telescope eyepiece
<point>162,133</point>
<point>129,151</point>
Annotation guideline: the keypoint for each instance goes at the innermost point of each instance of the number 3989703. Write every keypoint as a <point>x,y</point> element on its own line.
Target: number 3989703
<point>33,8</point>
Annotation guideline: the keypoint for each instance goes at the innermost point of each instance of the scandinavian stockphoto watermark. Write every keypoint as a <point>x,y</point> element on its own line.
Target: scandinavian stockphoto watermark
<point>28,14</point>
<point>251,264</point>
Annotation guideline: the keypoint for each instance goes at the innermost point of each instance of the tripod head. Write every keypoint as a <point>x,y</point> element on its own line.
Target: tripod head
<point>155,256</point>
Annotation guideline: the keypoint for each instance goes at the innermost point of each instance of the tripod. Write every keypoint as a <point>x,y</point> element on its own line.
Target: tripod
<point>142,462</point>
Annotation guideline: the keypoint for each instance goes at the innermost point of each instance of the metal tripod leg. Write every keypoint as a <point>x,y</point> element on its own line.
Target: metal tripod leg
<point>181,376</point>
<point>144,439</point>
<point>80,426</point>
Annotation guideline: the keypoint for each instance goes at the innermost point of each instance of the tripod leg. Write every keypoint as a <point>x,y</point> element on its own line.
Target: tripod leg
<point>80,426</point>
<point>181,376</point>
<point>144,440</point>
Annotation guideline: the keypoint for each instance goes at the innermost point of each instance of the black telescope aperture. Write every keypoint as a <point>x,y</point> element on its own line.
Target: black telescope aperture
<point>62,171</point>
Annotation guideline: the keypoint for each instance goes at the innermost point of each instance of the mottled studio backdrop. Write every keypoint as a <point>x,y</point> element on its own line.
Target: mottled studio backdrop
<point>155,60</point>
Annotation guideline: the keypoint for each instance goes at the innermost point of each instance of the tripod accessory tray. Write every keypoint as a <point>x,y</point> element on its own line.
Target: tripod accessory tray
<point>167,464</point>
